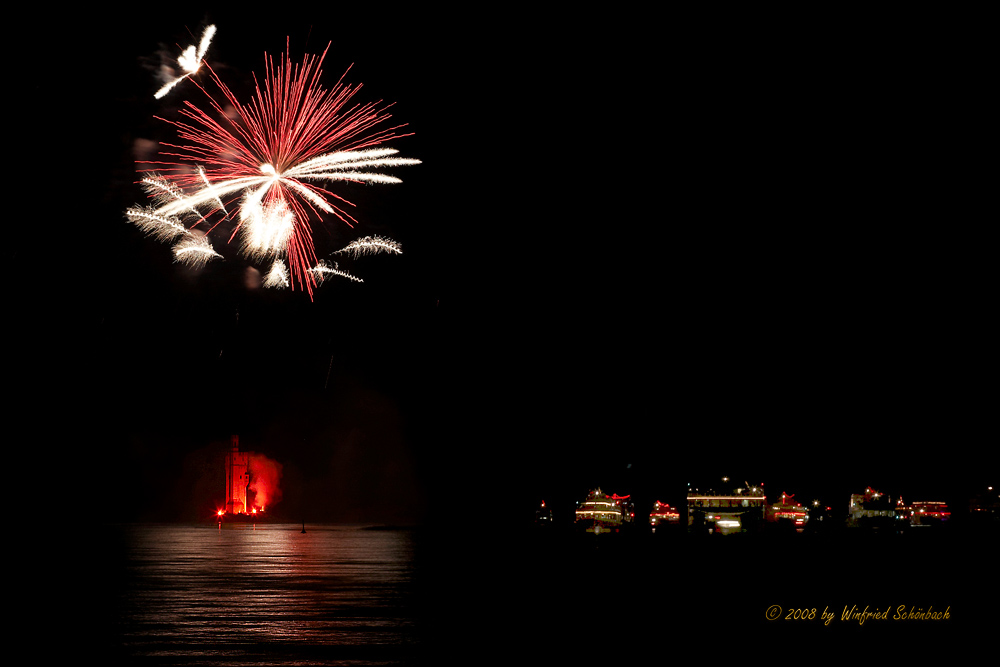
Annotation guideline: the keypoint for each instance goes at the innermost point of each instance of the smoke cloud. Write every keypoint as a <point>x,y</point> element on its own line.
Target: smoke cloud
<point>265,481</point>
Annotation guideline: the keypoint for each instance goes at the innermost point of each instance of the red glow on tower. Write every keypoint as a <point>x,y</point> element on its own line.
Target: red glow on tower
<point>252,481</point>
<point>237,478</point>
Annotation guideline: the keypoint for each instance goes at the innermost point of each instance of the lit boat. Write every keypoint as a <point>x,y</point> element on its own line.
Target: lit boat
<point>663,515</point>
<point>600,513</point>
<point>543,516</point>
<point>726,514</point>
<point>874,510</point>
<point>786,510</point>
<point>925,513</point>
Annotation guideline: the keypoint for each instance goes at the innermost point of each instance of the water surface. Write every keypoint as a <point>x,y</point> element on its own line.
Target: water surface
<point>245,594</point>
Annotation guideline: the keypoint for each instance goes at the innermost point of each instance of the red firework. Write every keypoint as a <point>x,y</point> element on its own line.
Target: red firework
<point>293,131</point>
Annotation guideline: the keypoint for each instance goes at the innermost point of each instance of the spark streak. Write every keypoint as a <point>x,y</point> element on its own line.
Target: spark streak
<point>370,245</point>
<point>194,250</point>
<point>208,186</point>
<point>323,269</point>
<point>157,225</point>
<point>189,61</point>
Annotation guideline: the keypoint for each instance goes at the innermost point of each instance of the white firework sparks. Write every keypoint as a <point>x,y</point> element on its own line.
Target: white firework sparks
<point>160,227</point>
<point>277,276</point>
<point>331,167</point>
<point>265,228</point>
<point>189,61</point>
<point>324,270</point>
<point>193,247</point>
<point>194,250</point>
<point>201,172</point>
<point>370,245</point>
<point>164,192</point>
<point>310,170</point>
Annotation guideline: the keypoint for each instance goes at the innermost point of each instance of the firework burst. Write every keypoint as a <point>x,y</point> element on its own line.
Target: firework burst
<point>267,162</point>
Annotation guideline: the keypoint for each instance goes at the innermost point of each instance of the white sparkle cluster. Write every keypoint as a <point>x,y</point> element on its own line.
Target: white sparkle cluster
<point>265,226</point>
<point>189,61</point>
<point>371,245</point>
<point>277,276</point>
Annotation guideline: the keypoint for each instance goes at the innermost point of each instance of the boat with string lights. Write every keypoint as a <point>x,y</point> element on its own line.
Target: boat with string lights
<point>603,513</point>
<point>787,512</point>
<point>663,515</point>
<point>928,513</point>
<point>725,514</point>
<point>875,510</point>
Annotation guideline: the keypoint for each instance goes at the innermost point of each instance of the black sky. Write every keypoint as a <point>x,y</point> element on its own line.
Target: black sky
<point>635,253</point>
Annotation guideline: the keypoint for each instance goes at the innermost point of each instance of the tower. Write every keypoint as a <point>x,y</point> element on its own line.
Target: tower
<point>237,478</point>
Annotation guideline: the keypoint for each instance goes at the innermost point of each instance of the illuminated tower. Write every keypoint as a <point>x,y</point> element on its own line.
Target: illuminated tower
<point>237,478</point>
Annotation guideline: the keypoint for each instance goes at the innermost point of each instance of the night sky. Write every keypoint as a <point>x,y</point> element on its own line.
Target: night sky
<point>635,255</point>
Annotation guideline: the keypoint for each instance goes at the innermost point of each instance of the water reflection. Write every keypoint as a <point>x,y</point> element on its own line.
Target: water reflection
<point>243,590</point>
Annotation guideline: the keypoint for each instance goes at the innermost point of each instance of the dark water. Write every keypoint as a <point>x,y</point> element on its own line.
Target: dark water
<point>195,595</point>
<point>265,594</point>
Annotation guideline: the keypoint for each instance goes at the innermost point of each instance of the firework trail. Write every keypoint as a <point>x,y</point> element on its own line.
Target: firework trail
<point>194,250</point>
<point>370,245</point>
<point>160,227</point>
<point>270,157</point>
<point>189,60</point>
<point>324,269</point>
<point>208,186</point>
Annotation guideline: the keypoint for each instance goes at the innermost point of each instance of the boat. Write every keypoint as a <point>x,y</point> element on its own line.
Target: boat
<point>543,516</point>
<point>601,513</point>
<point>874,510</point>
<point>663,515</point>
<point>787,512</point>
<point>725,514</point>
<point>929,513</point>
